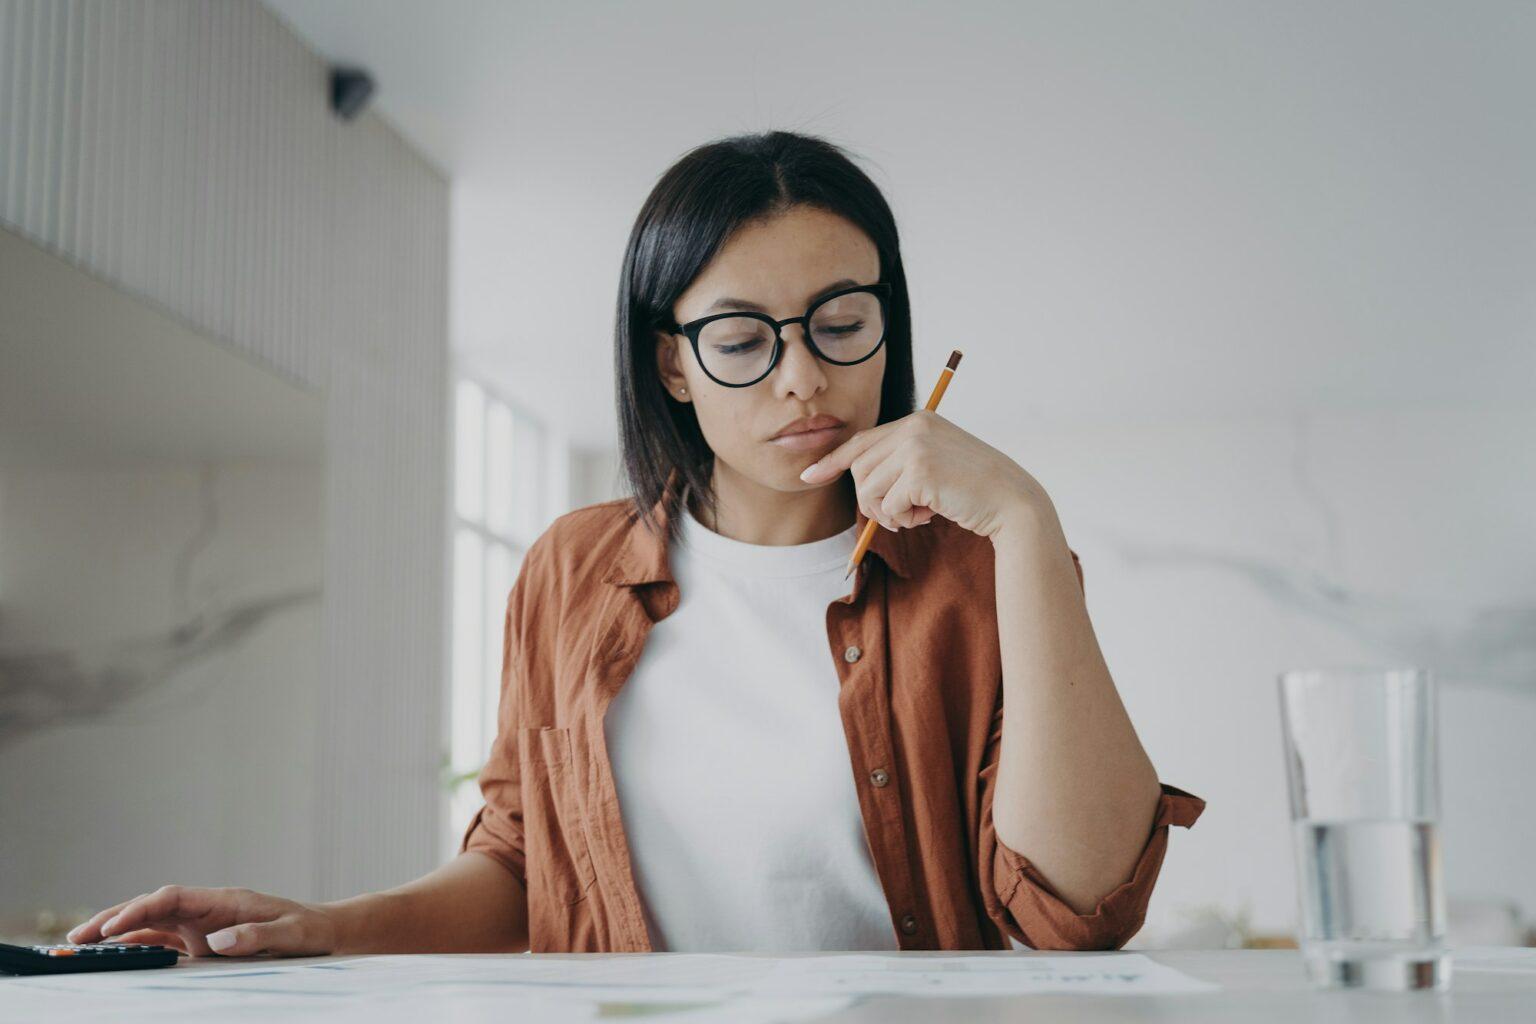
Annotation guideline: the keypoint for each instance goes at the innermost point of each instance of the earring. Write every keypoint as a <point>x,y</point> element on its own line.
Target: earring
<point>682,391</point>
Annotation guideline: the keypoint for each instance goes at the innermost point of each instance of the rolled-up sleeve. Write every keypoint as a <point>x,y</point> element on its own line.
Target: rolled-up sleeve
<point>497,827</point>
<point>1024,905</point>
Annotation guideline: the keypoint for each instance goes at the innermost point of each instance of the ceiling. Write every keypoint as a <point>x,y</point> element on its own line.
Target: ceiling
<point>1117,210</point>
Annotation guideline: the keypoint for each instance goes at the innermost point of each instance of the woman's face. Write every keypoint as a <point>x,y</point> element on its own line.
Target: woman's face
<point>780,265</point>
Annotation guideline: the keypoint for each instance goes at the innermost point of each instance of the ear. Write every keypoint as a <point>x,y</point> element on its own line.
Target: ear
<point>667,366</point>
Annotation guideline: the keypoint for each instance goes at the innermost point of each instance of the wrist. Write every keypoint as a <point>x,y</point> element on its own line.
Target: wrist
<point>354,922</point>
<point>1027,521</point>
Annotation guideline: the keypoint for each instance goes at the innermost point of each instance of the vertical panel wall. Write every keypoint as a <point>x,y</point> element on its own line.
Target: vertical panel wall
<point>184,150</point>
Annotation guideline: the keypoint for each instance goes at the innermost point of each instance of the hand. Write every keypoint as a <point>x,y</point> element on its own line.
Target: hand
<point>909,470</point>
<point>208,922</point>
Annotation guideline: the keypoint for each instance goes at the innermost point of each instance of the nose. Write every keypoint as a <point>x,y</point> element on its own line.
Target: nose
<point>799,372</point>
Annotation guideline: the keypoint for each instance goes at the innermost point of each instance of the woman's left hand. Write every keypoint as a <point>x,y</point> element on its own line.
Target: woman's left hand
<point>909,470</point>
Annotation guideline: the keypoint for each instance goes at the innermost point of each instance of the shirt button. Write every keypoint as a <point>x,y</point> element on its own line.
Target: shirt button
<point>852,654</point>
<point>909,924</point>
<point>879,777</point>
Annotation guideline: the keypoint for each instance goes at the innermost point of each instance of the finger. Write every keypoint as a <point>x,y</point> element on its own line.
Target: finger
<point>195,940</point>
<point>154,937</point>
<point>897,496</point>
<point>165,905</point>
<point>279,936</point>
<point>905,495</point>
<point>840,458</point>
<point>245,909</point>
<point>89,930</point>
<point>871,490</point>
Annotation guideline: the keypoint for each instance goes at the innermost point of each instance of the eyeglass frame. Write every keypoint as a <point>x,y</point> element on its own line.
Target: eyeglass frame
<point>880,289</point>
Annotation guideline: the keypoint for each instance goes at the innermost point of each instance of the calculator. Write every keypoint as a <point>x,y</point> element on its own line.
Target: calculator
<point>74,958</point>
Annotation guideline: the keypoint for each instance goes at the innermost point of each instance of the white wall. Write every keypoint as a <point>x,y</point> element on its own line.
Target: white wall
<point>184,150</point>
<point>1246,284</point>
<point>595,476</point>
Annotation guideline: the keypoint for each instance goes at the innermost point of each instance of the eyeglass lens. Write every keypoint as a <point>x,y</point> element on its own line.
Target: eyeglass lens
<point>737,349</point>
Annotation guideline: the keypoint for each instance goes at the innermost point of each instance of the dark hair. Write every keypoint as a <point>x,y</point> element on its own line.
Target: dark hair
<point>694,208</point>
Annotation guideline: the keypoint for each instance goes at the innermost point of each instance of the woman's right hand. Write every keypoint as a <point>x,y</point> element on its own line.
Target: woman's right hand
<point>209,922</point>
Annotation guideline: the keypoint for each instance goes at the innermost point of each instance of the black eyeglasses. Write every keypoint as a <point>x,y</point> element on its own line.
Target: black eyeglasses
<point>844,327</point>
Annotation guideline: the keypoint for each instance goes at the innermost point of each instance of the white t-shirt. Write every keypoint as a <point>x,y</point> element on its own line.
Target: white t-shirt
<point>732,768</point>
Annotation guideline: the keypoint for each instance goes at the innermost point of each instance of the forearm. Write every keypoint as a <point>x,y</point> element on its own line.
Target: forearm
<point>472,904</point>
<point>1076,792</point>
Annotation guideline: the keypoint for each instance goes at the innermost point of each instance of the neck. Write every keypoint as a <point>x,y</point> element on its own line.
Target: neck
<point>755,514</point>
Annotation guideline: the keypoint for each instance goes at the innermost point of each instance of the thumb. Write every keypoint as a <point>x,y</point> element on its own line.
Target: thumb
<point>246,939</point>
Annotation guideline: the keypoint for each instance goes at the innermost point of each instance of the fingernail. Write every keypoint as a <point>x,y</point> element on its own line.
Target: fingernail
<point>106,929</point>
<point>221,940</point>
<point>808,470</point>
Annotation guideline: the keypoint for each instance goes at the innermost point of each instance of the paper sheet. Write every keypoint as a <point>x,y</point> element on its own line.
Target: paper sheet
<point>667,988</point>
<point>1098,974</point>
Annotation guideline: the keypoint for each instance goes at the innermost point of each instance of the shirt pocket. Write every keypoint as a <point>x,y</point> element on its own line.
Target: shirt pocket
<point>559,861</point>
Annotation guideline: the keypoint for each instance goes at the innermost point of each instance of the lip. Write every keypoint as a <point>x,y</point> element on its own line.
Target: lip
<point>805,440</point>
<point>809,424</point>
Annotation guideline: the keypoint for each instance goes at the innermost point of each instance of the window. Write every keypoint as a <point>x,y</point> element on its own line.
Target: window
<point>504,491</point>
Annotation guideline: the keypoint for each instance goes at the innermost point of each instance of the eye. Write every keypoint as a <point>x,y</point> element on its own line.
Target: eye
<point>744,346</point>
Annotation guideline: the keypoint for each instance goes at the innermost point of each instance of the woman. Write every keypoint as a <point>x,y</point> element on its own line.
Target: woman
<point>688,675</point>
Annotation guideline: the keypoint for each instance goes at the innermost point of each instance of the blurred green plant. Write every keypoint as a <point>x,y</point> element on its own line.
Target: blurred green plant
<point>451,780</point>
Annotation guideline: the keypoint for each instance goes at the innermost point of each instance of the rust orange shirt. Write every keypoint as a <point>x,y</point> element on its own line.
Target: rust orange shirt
<point>915,646</point>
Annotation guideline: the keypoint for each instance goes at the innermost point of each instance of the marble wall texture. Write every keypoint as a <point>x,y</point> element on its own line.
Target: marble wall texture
<point>185,152</point>
<point>161,679</point>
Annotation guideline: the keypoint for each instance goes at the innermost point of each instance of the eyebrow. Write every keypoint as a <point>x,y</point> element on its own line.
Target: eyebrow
<point>729,303</point>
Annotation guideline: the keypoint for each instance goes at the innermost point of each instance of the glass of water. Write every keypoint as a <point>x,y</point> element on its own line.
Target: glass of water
<point>1363,766</point>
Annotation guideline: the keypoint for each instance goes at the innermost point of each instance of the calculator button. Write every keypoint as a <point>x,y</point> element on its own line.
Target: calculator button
<point>61,952</point>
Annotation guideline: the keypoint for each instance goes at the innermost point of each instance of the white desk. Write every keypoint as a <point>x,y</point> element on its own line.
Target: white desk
<point>1489,986</point>
<point>1257,987</point>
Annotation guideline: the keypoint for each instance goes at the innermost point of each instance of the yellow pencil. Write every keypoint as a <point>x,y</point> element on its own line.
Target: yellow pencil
<point>933,403</point>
